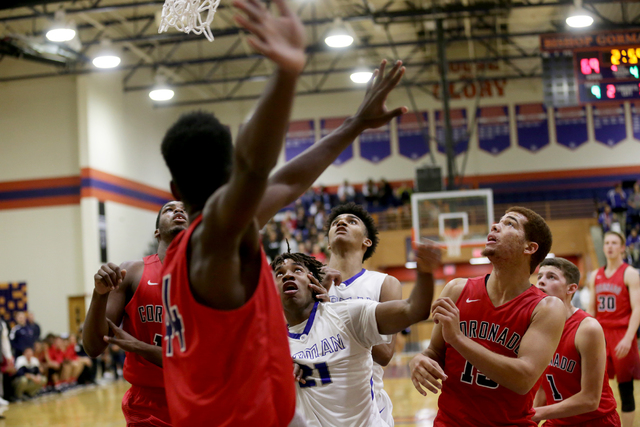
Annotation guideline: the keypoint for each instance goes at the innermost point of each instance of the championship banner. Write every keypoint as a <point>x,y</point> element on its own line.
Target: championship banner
<point>571,126</point>
<point>635,119</point>
<point>300,136</point>
<point>329,125</point>
<point>411,135</point>
<point>13,298</point>
<point>493,129</point>
<point>375,144</point>
<point>533,126</point>
<point>458,129</point>
<point>608,124</point>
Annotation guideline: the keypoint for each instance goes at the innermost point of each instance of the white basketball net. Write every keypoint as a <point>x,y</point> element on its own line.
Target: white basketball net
<point>453,241</point>
<point>186,16</point>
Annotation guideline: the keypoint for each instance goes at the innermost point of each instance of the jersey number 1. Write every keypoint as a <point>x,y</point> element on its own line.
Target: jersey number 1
<point>481,380</point>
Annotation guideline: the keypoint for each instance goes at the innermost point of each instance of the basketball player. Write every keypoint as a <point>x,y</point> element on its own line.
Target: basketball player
<point>353,238</point>
<point>615,302</point>
<point>495,334</point>
<point>131,294</point>
<point>575,387</point>
<point>332,342</point>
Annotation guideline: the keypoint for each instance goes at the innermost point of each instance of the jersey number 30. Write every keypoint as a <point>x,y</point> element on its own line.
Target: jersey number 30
<point>607,303</point>
<point>481,380</point>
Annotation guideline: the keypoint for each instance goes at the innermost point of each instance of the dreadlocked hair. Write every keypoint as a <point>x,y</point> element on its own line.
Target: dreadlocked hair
<point>313,265</point>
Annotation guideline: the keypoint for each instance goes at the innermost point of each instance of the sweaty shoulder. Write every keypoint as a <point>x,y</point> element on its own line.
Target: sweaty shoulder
<point>588,334</point>
<point>454,288</point>
<point>550,306</point>
<point>631,273</point>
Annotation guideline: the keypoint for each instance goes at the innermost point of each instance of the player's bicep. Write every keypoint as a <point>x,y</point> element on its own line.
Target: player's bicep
<point>632,280</point>
<point>590,343</point>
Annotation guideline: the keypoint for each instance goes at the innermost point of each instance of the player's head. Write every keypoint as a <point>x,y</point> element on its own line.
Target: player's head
<point>291,274</point>
<point>520,231</point>
<point>558,277</point>
<point>614,245</point>
<point>171,220</point>
<point>350,224</point>
<point>198,151</point>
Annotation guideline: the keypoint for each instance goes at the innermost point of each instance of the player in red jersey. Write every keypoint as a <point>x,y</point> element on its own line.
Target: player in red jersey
<point>131,294</point>
<point>494,335</point>
<point>575,389</point>
<point>615,303</point>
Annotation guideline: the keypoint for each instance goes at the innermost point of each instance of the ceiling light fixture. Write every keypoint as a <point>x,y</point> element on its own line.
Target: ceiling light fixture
<point>61,31</point>
<point>338,36</point>
<point>579,17</point>
<point>161,92</point>
<point>107,56</point>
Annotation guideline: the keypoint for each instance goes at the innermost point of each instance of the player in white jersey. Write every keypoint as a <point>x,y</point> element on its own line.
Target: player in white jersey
<point>332,342</point>
<point>353,238</point>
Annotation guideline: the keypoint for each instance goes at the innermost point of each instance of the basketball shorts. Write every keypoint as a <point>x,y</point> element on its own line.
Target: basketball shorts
<point>625,369</point>
<point>146,406</point>
<point>385,407</point>
<point>611,419</point>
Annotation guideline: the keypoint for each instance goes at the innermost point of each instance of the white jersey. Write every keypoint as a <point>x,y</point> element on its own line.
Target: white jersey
<point>333,348</point>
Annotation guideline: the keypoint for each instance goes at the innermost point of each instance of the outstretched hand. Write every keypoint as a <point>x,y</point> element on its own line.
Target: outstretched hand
<point>281,39</point>
<point>373,112</point>
<point>428,256</point>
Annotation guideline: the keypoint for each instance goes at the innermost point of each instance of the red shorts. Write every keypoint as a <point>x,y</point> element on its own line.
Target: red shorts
<point>611,419</point>
<point>625,369</point>
<point>146,406</point>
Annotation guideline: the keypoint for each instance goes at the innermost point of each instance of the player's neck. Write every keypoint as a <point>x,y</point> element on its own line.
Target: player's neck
<point>506,283</point>
<point>162,250</point>
<point>347,263</point>
<point>613,264</point>
<point>295,315</point>
<point>569,308</point>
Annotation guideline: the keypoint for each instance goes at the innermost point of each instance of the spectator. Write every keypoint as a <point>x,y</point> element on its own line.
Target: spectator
<point>370,193</point>
<point>324,196</point>
<point>617,199</point>
<point>271,243</point>
<point>346,192</point>
<point>39,350</point>
<point>31,321</point>
<point>28,378</point>
<point>59,371</point>
<point>6,360</point>
<point>606,219</point>
<point>633,248</point>
<point>22,335</point>
<point>288,242</point>
<point>387,198</point>
<point>318,254</point>
<point>633,202</point>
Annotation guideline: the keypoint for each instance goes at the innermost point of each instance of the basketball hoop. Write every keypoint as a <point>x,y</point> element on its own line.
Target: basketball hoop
<point>186,16</point>
<point>453,241</point>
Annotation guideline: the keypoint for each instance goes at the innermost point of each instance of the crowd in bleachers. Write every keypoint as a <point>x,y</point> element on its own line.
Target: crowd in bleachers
<point>620,212</point>
<point>302,225</point>
<point>32,365</point>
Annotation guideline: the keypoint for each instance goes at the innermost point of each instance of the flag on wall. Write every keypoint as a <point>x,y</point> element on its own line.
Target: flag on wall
<point>329,125</point>
<point>375,144</point>
<point>571,126</point>
<point>300,136</point>
<point>608,124</point>
<point>411,139</point>
<point>13,298</point>
<point>635,119</point>
<point>494,135</point>
<point>533,126</point>
<point>458,128</point>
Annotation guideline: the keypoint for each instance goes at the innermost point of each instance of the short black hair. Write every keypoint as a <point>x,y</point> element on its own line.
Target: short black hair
<point>311,263</point>
<point>360,212</point>
<point>160,214</point>
<point>535,230</point>
<point>570,272</point>
<point>199,153</point>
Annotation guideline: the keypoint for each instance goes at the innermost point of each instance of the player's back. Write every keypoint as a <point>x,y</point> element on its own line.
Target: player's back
<point>333,348</point>
<point>224,368</point>
<point>613,306</point>
<point>469,398</point>
<point>562,378</point>
<point>143,319</point>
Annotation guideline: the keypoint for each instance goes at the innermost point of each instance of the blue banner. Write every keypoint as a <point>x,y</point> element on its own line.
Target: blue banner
<point>375,144</point>
<point>532,123</point>
<point>609,125</point>
<point>300,136</point>
<point>571,126</point>
<point>13,298</point>
<point>458,128</point>
<point>493,129</point>
<point>635,119</point>
<point>329,125</point>
<point>411,134</point>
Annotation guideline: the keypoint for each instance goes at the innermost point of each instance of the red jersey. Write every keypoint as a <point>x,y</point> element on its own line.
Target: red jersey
<point>562,378</point>
<point>613,308</point>
<point>225,368</point>
<point>143,319</point>
<point>468,397</point>
<point>55,354</point>
<point>70,352</point>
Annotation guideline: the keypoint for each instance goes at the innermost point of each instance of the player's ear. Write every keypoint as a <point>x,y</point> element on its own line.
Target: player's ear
<point>367,242</point>
<point>156,234</point>
<point>530,248</point>
<point>572,289</point>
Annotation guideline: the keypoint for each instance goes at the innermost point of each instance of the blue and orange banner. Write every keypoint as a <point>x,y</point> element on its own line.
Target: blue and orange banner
<point>300,136</point>
<point>13,298</point>
<point>533,126</point>
<point>375,144</point>
<point>494,135</point>
<point>413,134</point>
<point>329,125</point>
<point>609,125</point>
<point>459,130</point>
<point>571,126</point>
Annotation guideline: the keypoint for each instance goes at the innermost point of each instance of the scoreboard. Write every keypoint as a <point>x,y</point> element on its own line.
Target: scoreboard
<point>596,67</point>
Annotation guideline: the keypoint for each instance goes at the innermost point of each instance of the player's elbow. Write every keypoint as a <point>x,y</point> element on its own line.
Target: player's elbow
<point>383,358</point>
<point>591,403</point>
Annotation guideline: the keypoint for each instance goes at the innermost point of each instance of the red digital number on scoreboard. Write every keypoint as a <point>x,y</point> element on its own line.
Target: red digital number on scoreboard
<point>590,65</point>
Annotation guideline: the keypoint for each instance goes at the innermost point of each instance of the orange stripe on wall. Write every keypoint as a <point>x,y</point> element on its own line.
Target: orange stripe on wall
<point>103,195</point>
<point>40,202</point>
<point>116,180</point>
<point>40,183</point>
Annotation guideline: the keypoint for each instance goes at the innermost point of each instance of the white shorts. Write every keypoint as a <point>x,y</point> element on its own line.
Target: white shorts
<point>385,407</point>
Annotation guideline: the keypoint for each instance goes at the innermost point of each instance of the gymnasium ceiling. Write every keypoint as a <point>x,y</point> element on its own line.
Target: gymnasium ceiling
<point>503,33</point>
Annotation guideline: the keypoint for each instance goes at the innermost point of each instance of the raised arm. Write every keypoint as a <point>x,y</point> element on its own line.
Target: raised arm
<point>394,316</point>
<point>290,181</point>
<point>518,374</point>
<point>281,39</point>
<point>591,309</point>
<point>590,344</point>
<point>112,283</point>
<point>632,281</point>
